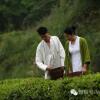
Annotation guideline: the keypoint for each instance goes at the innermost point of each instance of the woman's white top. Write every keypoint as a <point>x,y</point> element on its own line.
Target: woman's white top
<point>74,49</point>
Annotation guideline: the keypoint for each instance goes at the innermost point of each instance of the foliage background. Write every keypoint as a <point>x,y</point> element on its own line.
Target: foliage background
<point>19,20</point>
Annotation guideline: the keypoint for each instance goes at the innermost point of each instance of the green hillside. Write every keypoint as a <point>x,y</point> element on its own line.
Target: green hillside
<point>18,37</point>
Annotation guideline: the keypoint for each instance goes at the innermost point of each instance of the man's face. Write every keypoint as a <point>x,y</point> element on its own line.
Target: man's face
<point>45,37</point>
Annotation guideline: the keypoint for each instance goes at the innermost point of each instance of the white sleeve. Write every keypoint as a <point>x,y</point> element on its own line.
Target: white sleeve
<point>61,51</point>
<point>39,59</point>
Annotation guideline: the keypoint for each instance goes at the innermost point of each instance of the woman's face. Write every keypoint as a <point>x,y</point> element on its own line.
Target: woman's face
<point>69,37</point>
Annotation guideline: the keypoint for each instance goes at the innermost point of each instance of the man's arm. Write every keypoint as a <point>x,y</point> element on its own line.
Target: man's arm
<point>39,59</point>
<point>61,51</point>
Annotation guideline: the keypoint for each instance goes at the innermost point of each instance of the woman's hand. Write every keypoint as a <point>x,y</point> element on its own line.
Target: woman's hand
<point>70,71</point>
<point>84,68</point>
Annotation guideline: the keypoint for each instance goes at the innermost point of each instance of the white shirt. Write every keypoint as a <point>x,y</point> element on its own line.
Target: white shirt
<point>53,55</point>
<point>74,49</point>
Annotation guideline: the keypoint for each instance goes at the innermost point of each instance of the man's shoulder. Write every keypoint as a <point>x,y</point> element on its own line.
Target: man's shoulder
<point>40,45</point>
<point>55,37</point>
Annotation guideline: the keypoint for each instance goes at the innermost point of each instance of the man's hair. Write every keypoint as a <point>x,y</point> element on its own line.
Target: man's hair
<point>70,30</point>
<point>42,30</point>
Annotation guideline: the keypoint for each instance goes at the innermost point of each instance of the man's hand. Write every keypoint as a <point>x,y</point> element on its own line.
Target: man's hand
<point>49,68</point>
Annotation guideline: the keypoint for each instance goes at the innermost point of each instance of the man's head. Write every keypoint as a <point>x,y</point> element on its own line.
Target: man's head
<point>43,32</point>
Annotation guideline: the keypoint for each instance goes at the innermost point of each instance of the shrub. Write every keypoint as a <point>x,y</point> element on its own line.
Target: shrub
<point>87,87</point>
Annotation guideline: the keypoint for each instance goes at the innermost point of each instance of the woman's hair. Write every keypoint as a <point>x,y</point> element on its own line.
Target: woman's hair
<point>70,30</point>
<point>42,30</point>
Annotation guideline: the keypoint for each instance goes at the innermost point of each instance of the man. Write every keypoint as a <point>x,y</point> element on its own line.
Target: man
<point>50,55</point>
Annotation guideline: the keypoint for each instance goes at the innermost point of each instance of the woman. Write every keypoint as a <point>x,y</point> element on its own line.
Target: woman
<point>77,52</point>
